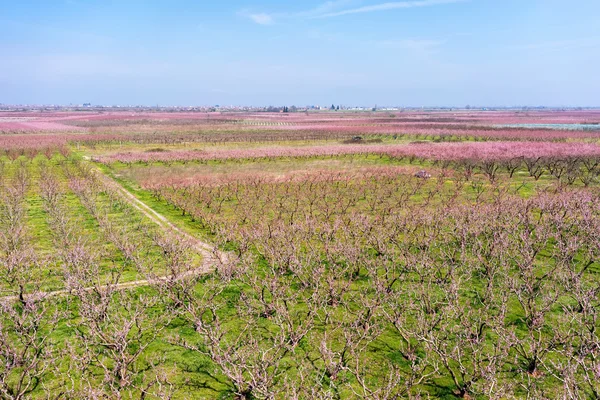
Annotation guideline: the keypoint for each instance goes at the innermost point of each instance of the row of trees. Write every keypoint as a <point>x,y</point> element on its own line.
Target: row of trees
<point>392,297</point>
<point>568,163</point>
<point>90,339</point>
<point>377,287</point>
<point>479,151</point>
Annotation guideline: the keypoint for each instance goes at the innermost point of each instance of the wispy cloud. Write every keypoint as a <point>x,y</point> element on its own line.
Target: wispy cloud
<point>416,45</point>
<point>261,18</point>
<point>389,6</point>
<point>264,18</point>
<point>340,8</point>
<point>325,8</point>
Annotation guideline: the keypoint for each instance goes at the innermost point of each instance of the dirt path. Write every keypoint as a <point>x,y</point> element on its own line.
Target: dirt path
<point>206,250</point>
<point>210,255</point>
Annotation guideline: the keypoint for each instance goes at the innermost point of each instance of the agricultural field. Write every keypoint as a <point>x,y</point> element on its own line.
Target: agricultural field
<point>322,255</point>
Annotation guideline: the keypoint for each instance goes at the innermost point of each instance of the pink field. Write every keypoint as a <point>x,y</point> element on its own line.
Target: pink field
<point>432,151</point>
<point>464,117</point>
<point>42,141</point>
<point>23,122</point>
<point>36,126</point>
<point>52,129</point>
<point>462,124</point>
<point>156,182</point>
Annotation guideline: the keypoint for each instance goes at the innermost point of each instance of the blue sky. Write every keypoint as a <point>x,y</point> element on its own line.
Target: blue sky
<point>264,52</point>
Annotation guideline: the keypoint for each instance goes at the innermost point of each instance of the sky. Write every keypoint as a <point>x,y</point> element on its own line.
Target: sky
<point>266,52</point>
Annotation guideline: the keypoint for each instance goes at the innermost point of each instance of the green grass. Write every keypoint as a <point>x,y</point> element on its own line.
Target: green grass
<point>193,371</point>
<point>172,214</point>
<point>45,243</point>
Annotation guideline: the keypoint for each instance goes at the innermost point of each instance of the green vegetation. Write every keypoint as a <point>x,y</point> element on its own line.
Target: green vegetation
<point>341,276</point>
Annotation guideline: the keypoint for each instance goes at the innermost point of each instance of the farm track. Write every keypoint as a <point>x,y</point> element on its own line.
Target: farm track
<point>210,255</point>
<point>206,250</point>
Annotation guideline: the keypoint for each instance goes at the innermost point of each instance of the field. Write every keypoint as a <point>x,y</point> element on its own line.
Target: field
<point>317,255</point>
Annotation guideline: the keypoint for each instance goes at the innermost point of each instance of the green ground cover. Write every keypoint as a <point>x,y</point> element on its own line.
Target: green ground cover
<point>379,285</point>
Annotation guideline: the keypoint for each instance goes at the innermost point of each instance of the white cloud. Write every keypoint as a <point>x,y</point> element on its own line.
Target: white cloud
<point>389,6</point>
<point>335,9</point>
<point>325,8</point>
<point>261,19</point>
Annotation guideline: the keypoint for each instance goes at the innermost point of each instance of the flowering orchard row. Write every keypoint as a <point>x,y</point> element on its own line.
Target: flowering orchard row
<point>454,125</point>
<point>395,287</point>
<point>30,145</point>
<point>372,286</point>
<point>228,131</point>
<point>565,161</point>
<point>447,125</point>
<point>432,151</point>
<point>34,126</point>
<point>156,181</point>
<point>443,131</point>
<point>488,118</point>
<point>91,324</point>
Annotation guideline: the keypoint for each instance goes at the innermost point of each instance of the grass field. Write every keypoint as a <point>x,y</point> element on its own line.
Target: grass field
<point>276,273</point>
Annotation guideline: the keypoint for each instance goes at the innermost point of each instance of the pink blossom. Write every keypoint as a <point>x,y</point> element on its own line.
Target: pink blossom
<point>430,151</point>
